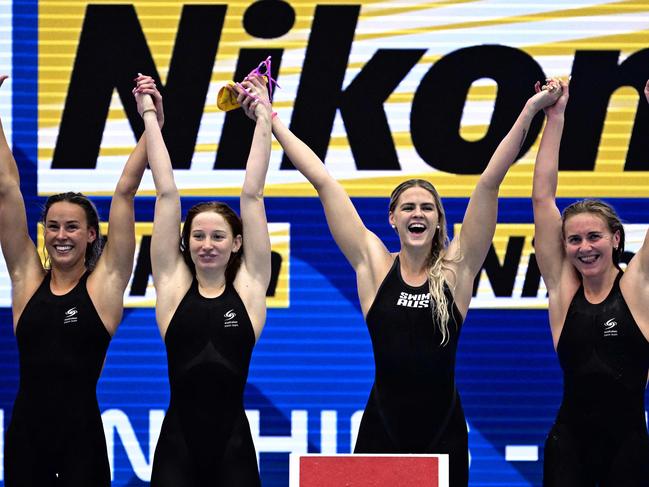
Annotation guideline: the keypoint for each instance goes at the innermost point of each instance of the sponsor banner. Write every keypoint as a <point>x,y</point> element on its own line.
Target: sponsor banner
<point>380,90</point>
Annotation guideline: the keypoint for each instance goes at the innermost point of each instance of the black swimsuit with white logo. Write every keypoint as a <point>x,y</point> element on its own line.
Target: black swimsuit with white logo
<point>56,437</point>
<point>600,435</point>
<point>205,438</point>
<point>413,406</point>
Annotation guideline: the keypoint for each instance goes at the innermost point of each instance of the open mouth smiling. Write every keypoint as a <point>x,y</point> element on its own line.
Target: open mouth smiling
<point>417,228</point>
<point>588,259</point>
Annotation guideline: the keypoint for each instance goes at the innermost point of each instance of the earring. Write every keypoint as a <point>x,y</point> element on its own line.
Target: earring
<point>394,227</point>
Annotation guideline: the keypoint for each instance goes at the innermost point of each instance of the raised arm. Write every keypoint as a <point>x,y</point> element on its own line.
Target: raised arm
<point>642,256</point>
<point>23,263</point>
<point>635,283</point>
<point>255,268</point>
<point>471,245</point>
<point>356,242</point>
<point>115,266</point>
<point>548,245</point>
<point>171,276</point>
<point>253,277</point>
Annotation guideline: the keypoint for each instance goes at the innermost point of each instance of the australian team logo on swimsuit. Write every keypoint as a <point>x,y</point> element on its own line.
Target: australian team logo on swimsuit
<point>71,316</point>
<point>230,320</point>
<point>414,300</point>
<point>610,329</point>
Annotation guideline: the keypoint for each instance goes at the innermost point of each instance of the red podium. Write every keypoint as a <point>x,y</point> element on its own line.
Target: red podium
<point>368,470</point>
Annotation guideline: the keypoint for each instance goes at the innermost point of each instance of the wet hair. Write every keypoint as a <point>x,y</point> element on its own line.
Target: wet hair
<point>603,210</point>
<point>232,219</point>
<point>93,249</point>
<point>437,261</point>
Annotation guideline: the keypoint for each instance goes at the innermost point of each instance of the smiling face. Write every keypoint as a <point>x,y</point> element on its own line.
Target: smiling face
<point>590,244</point>
<point>67,234</point>
<point>211,241</point>
<point>415,217</point>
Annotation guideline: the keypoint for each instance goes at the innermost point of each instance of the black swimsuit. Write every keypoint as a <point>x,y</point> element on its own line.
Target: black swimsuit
<point>413,406</point>
<point>56,437</point>
<point>205,438</point>
<point>600,435</point>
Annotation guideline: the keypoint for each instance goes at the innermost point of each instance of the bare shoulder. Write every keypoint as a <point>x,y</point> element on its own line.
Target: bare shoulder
<point>375,264</point>
<point>170,290</point>
<point>560,297</point>
<point>457,268</point>
<point>459,278</point>
<point>105,280</point>
<point>635,290</point>
<point>24,288</point>
<point>370,277</point>
<point>253,297</point>
<point>249,287</point>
